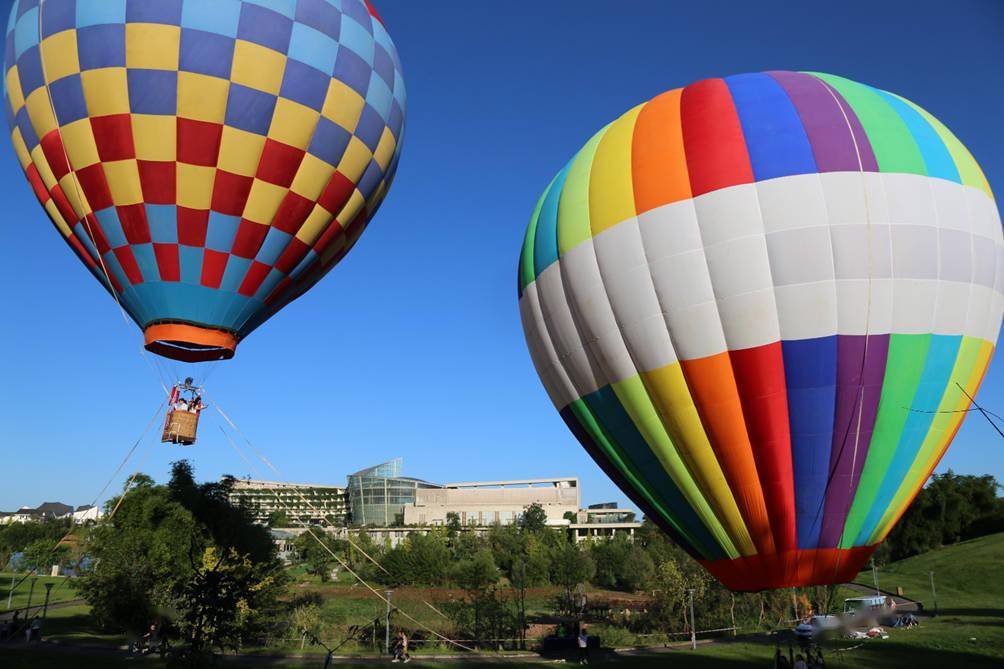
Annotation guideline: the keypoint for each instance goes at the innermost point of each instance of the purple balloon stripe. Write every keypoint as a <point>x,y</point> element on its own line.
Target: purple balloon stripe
<point>859,386</point>
<point>826,125</point>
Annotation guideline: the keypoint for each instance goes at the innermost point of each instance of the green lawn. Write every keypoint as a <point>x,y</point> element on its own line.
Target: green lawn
<point>62,590</point>
<point>969,632</point>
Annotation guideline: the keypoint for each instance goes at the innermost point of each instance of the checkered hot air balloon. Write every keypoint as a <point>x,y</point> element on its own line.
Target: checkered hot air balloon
<point>209,161</point>
<point>760,303</point>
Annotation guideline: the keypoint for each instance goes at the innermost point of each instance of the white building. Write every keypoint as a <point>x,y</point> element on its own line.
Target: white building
<point>486,503</point>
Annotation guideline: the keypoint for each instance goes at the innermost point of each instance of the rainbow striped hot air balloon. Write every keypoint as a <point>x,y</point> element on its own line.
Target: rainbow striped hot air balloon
<point>208,160</point>
<point>757,302</point>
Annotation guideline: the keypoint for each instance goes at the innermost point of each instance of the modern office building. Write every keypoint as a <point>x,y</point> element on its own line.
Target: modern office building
<point>486,503</point>
<point>378,495</point>
<point>314,504</point>
<point>603,521</point>
<point>389,506</point>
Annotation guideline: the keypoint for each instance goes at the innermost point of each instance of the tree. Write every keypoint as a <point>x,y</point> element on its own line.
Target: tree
<point>42,554</point>
<point>950,508</point>
<point>570,516</point>
<point>452,524</point>
<point>315,549</point>
<point>280,519</point>
<point>305,619</point>
<point>621,565</point>
<point>183,548</point>
<point>16,537</point>
<point>571,567</point>
<point>533,519</point>
<point>668,597</point>
<point>476,576</point>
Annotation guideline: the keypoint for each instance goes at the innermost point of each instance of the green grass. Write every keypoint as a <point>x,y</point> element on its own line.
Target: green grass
<point>970,598</point>
<point>62,590</point>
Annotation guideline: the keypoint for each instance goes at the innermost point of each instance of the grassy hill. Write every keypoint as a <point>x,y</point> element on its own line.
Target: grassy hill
<point>970,588</point>
<point>967,576</point>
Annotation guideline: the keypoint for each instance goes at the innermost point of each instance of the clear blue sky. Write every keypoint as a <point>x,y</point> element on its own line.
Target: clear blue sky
<point>412,346</point>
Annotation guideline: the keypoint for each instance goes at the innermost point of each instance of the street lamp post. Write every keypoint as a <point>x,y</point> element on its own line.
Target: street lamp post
<point>31,591</point>
<point>10,595</point>
<point>693,623</point>
<point>934,593</point>
<point>389,594</point>
<point>48,591</point>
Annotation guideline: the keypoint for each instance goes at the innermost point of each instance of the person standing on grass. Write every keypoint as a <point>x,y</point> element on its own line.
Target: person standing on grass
<point>34,630</point>
<point>583,646</point>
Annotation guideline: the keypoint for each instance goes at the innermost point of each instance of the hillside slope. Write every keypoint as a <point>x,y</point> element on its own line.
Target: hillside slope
<point>967,576</point>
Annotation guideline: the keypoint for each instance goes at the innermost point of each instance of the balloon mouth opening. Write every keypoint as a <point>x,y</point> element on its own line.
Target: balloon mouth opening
<point>189,343</point>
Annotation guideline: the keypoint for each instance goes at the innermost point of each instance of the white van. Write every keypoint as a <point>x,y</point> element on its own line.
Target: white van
<point>876,605</point>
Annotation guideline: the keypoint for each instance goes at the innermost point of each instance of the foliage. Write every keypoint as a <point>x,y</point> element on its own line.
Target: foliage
<point>16,537</point>
<point>571,567</point>
<point>280,518</point>
<point>951,508</point>
<point>533,518</point>
<point>305,620</point>
<point>419,560</point>
<point>182,554</point>
<point>41,554</point>
<point>621,565</point>
<point>314,548</point>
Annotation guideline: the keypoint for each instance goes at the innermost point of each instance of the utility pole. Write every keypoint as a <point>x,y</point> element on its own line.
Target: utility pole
<point>875,578</point>
<point>389,594</point>
<point>48,591</point>
<point>693,623</point>
<point>934,593</point>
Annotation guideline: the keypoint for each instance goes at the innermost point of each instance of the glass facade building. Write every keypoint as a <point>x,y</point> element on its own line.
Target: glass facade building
<point>378,495</point>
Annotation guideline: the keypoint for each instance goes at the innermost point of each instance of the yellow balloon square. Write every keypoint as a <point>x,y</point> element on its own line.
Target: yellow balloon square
<point>20,148</point>
<point>40,112</point>
<point>351,208</point>
<point>14,94</point>
<point>152,46</point>
<point>42,165</point>
<point>314,225</point>
<point>355,160</point>
<point>293,123</point>
<point>343,105</point>
<point>257,67</point>
<point>59,55</point>
<point>155,136</point>
<point>240,151</point>
<point>263,201</point>
<point>106,91</point>
<point>195,185</point>
<point>202,97</point>
<point>78,140</point>
<point>312,176</point>
<point>75,195</point>
<point>123,181</point>
<point>385,149</point>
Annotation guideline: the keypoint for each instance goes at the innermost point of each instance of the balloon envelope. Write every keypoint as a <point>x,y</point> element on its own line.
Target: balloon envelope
<point>759,303</point>
<point>207,161</point>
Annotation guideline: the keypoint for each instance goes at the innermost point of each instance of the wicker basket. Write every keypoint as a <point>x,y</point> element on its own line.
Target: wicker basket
<point>181,427</point>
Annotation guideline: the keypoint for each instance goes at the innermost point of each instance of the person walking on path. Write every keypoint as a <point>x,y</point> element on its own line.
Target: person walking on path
<point>401,648</point>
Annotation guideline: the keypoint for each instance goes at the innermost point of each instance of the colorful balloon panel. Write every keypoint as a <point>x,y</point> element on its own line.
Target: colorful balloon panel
<point>213,160</point>
<point>756,301</point>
